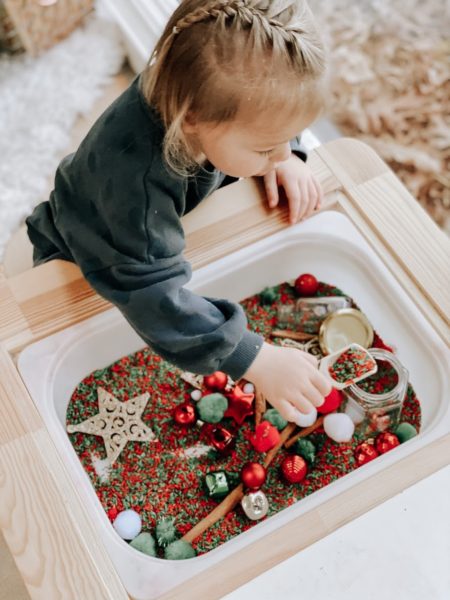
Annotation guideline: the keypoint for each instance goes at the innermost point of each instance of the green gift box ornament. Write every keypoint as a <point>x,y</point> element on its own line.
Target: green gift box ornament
<point>220,483</point>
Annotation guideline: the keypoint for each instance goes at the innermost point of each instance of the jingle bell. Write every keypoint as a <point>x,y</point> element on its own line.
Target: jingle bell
<point>255,505</point>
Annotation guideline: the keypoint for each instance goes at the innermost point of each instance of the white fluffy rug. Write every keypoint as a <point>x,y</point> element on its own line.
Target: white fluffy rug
<point>40,100</point>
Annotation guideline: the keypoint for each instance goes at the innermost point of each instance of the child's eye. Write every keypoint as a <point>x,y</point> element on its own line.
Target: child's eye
<point>265,152</point>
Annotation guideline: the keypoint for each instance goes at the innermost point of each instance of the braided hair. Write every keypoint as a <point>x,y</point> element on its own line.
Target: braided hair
<point>214,54</point>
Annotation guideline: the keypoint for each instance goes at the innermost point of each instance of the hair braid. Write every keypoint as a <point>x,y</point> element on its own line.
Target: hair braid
<point>231,9</point>
<point>201,72</point>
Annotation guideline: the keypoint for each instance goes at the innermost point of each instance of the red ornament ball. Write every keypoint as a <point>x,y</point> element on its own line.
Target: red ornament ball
<point>332,402</point>
<point>294,468</point>
<point>253,475</point>
<point>184,414</point>
<point>386,441</point>
<point>266,436</point>
<point>306,285</point>
<point>364,453</point>
<point>217,381</point>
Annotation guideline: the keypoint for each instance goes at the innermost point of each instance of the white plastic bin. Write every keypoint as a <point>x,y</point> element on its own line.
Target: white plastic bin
<point>327,245</point>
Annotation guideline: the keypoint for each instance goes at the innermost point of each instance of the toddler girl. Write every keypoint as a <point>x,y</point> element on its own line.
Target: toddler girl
<point>229,86</point>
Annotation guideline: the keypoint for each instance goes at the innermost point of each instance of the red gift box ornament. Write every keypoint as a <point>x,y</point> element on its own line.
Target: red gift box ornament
<point>364,453</point>
<point>294,468</point>
<point>386,441</point>
<point>240,405</point>
<point>266,436</point>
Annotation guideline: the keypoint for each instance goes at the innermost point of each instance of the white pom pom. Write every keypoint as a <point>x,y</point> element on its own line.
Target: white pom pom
<point>196,395</point>
<point>128,524</point>
<point>248,388</point>
<point>305,420</point>
<point>339,427</point>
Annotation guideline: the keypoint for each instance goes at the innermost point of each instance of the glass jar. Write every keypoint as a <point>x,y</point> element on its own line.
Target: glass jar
<point>376,412</point>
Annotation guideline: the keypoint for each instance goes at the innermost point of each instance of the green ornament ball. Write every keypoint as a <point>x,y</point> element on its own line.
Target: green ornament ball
<point>165,531</point>
<point>212,407</point>
<point>145,543</point>
<point>179,550</point>
<point>305,449</point>
<point>405,431</point>
<point>268,295</point>
<point>274,417</point>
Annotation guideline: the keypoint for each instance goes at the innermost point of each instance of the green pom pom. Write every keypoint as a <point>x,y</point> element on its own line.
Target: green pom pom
<point>305,449</point>
<point>165,531</point>
<point>179,550</point>
<point>145,543</point>
<point>212,407</point>
<point>405,431</point>
<point>274,417</point>
<point>268,295</point>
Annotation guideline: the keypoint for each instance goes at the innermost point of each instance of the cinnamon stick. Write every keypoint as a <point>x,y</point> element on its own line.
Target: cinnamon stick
<point>235,496</point>
<point>260,407</point>
<point>299,336</point>
<point>304,432</point>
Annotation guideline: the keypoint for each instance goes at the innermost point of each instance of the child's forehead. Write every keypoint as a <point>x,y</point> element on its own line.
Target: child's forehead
<point>272,129</point>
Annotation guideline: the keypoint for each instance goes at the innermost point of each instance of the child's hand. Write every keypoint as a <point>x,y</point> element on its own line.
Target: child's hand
<point>289,379</point>
<point>303,191</point>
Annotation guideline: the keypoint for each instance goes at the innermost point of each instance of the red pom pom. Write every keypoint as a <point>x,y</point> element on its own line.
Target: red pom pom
<point>217,381</point>
<point>266,436</point>
<point>364,453</point>
<point>294,468</point>
<point>306,285</point>
<point>253,475</point>
<point>386,441</point>
<point>112,513</point>
<point>184,414</point>
<point>332,402</point>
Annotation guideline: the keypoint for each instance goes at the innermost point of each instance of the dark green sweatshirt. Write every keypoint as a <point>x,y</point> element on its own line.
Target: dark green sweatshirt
<point>116,212</point>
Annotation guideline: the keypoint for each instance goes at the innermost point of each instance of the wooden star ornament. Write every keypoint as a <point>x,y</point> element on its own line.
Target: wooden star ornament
<point>117,423</point>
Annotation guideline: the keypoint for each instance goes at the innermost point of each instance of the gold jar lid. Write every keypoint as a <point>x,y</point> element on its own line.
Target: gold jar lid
<point>343,327</point>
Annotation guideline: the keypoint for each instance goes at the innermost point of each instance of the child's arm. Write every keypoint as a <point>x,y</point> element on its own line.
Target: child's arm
<point>289,379</point>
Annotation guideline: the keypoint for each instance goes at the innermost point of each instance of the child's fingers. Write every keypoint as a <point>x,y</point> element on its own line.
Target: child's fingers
<point>322,384</point>
<point>312,200</point>
<point>294,200</point>
<point>319,193</point>
<point>310,358</point>
<point>270,183</point>
<point>286,410</point>
<point>312,394</point>
<point>304,198</point>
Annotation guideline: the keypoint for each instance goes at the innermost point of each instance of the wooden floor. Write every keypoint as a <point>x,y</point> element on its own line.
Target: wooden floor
<point>11,585</point>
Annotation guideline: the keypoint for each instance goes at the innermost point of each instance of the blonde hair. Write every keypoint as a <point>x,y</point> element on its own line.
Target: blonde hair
<point>215,56</point>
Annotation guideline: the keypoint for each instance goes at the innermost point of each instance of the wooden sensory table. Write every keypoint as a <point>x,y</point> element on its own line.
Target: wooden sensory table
<point>55,544</point>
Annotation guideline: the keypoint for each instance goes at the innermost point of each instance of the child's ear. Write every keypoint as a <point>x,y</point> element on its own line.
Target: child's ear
<point>190,123</point>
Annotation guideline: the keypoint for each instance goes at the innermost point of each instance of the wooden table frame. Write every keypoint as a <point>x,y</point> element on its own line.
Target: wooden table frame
<point>55,544</point>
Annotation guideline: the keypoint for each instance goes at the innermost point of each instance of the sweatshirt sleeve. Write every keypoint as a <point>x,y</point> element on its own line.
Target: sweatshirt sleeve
<point>148,286</point>
<point>198,334</point>
<point>298,148</point>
